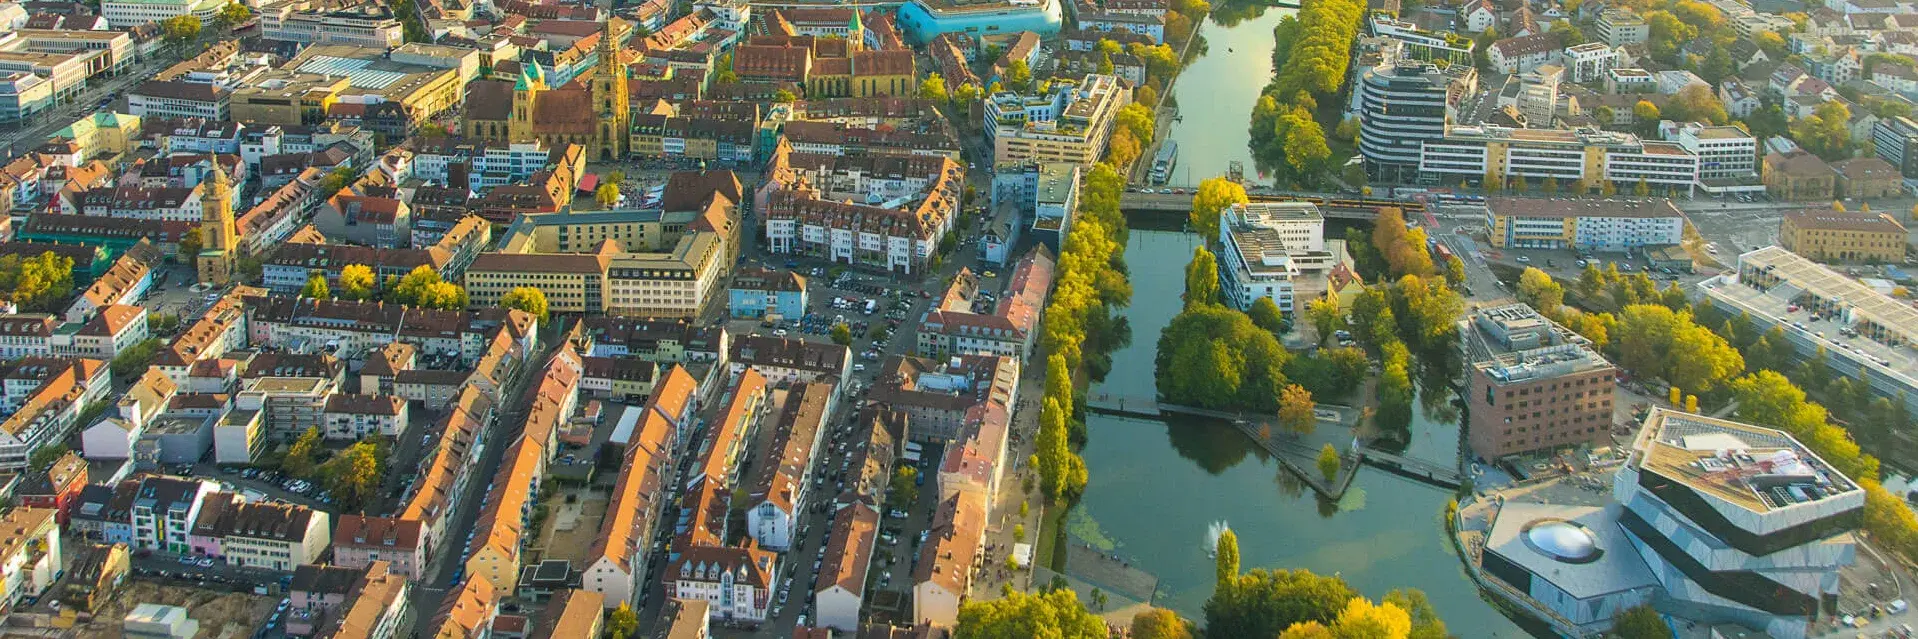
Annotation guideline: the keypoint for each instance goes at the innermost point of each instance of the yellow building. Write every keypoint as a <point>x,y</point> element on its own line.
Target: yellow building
<point>643,263</point>
<point>103,135</point>
<point>288,98</point>
<point>1834,236</point>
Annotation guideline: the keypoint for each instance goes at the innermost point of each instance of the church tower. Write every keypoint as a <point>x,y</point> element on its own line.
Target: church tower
<point>526,90</point>
<point>611,101</point>
<point>855,32</point>
<point>218,236</point>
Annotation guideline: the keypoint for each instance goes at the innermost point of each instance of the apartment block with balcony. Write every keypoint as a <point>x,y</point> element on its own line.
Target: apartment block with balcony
<point>1071,124</point>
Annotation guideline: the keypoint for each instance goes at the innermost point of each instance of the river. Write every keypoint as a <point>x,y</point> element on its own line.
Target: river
<point>1156,486</point>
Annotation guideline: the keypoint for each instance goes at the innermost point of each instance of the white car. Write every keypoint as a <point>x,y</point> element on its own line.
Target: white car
<point>1524,259</point>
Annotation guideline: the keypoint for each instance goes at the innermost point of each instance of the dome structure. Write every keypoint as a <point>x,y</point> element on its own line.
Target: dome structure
<point>1562,540</point>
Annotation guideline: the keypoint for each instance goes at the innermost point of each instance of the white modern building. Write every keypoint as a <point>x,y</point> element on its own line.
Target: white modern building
<point>1727,155</point>
<point>1583,156</point>
<point>124,14</point>
<point>1404,104</point>
<point>1588,62</point>
<point>1275,250</point>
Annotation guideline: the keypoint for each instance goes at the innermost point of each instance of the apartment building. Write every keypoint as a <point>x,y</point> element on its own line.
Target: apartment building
<point>1837,236</point>
<point>736,584</point>
<point>360,541</point>
<point>32,554</point>
<point>949,558</point>
<point>1578,158</point>
<point>787,360</point>
<point>1620,26</point>
<point>1071,124</point>
<point>377,607</point>
<point>778,492</point>
<point>1010,329</point>
<point>51,410</point>
<point>1533,385</point>
<point>356,417</point>
<point>1585,224</point>
<point>842,582</point>
<point>1273,250</point>
<point>164,511</point>
<point>619,558</point>
<point>258,535</point>
<point>881,212</point>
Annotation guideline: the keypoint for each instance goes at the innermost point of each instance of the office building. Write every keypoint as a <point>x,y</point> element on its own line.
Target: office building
<point>1611,226</point>
<point>125,14</point>
<point>1070,124</point>
<point>1578,158</point>
<point>1837,236</point>
<point>1895,140</point>
<point>1727,155</point>
<point>1403,104</point>
<point>1533,385</point>
<point>369,24</point>
<point>1275,250</point>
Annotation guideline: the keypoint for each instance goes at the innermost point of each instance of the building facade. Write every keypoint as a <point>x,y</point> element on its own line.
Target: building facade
<point>1533,385</point>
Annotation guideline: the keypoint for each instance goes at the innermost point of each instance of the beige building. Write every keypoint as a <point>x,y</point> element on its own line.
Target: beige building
<point>645,263</point>
<point>287,98</point>
<point>1071,124</point>
<point>1836,236</point>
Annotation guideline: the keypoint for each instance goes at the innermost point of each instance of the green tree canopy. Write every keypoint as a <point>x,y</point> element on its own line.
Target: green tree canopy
<point>526,298</point>
<point>1263,603</point>
<point>1265,314</point>
<point>1222,361</point>
<point>1201,279</point>
<point>1213,196</point>
<point>1018,615</point>
<point>316,287</point>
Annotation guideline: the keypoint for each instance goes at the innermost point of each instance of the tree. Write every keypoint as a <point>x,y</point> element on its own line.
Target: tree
<point>1771,43</point>
<point>1329,462</point>
<point>622,622</point>
<point>356,281</point>
<point>905,489</point>
<point>1266,314</point>
<point>180,30</point>
<point>1201,279</point>
<point>1052,448</point>
<point>423,287</point>
<point>133,361</point>
<point>965,95</point>
<point>1826,132</point>
<point>933,88</point>
<point>1325,315</point>
<point>1213,196</point>
<point>1225,553</point>
<point>1644,111</point>
<point>607,195</point>
<point>1018,76</point>
<point>526,298</point>
<point>1643,189</point>
<point>1425,620</point>
<point>1263,603</point>
<point>232,15</point>
<point>842,334</point>
<point>1454,270</point>
<point>1696,103</point>
<point>43,457</point>
<point>354,474</point>
<point>723,70</point>
<point>1056,614</point>
<point>1538,289</point>
<point>300,456</point>
<point>783,96</point>
<point>1159,623</point>
<point>316,287</point>
<point>190,245</point>
<point>1641,622</point>
<point>1296,410</point>
<point>1221,360</point>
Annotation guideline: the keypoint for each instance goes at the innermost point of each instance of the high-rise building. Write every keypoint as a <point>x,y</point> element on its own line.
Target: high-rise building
<point>1895,140</point>
<point>1533,385</point>
<point>1402,104</point>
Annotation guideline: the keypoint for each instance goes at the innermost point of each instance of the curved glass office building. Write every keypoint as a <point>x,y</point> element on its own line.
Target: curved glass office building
<point>924,20</point>
<point>1402,105</point>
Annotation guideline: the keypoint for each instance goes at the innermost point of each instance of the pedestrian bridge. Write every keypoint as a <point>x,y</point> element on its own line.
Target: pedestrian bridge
<point>1151,408</point>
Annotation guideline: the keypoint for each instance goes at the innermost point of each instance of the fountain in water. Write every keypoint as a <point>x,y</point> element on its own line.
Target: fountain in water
<point>1212,533</point>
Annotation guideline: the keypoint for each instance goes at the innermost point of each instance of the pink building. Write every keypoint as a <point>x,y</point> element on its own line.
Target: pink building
<point>358,541</point>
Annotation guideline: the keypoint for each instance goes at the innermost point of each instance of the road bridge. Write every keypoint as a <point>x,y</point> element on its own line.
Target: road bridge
<point>1331,206</point>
